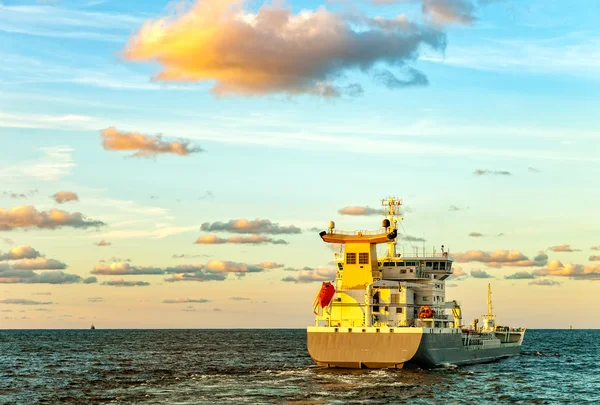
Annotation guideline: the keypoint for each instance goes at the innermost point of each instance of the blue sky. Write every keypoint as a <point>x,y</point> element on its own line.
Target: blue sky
<point>515,91</point>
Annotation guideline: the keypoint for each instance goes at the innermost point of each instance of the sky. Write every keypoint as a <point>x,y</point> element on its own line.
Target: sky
<point>169,165</point>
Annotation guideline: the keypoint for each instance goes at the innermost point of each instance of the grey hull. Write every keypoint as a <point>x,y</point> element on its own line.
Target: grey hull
<point>438,350</point>
<point>388,347</point>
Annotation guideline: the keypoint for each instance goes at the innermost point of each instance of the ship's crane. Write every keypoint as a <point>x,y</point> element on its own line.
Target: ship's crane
<point>489,323</point>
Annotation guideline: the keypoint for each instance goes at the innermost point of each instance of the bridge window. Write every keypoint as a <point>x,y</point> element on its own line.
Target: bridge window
<point>350,258</point>
<point>388,264</point>
<point>428,264</point>
<point>400,264</point>
<point>442,265</point>
<point>436,265</point>
<point>363,258</point>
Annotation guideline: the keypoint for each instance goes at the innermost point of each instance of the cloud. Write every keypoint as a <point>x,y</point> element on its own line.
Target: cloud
<point>391,81</point>
<point>239,299</point>
<point>476,235</point>
<point>480,172</point>
<point>55,163</point>
<point>449,11</point>
<point>458,273</point>
<point>480,274</point>
<point>309,276</point>
<point>274,50</point>
<point>250,240</point>
<point>17,196</point>
<point>144,145</point>
<point>26,216</point>
<point>119,282</point>
<point>335,247</point>
<point>454,208</point>
<point>30,277</point>
<point>90,280</point>
<point>544,282</point>
<point>20,252</point>
<point>65,196</point>
<point>520,275</point>
<point>95,299</point>
<point>594,258</point>
<point>214,270</point>
<point>184,256</point>
<point>270,265</point>
<point>8,241</point>
<point>501,258</point>
<point>257,226</point>
<point>532,170</point>
<point>235,267</point>
<point>40,263</point>
<point>103,243</point>
<point>574,271</point>
<point>304,268</point>
<point>121,268</point>
<point>198,275</point>
<point>563,248</point>
<point>186,301</point>
<point>359,210</point>
<point>20,301</point>
<point>595,248</point>
<point>410,238</point>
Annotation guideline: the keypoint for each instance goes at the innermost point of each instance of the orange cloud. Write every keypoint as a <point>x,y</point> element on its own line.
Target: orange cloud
<point>257,226</point>
<point>274,50</point>
<point>65,196</point>
<point>359,210</point>
<point>449,11</point>
<point>309,276</point>
<point>144,145</point>
<point>501,258</point>
<point>26,216</point>
<point>216,270</point>
<point>120,268</point>
<point>103,243</point>
<point>40,263</point>
<point>20,252</point>
<point>563,248</point>
<point>251,240</point>
<point>186,301</point>
<point>575,271</point>
<point>594,258</point>
<point>269,265</point>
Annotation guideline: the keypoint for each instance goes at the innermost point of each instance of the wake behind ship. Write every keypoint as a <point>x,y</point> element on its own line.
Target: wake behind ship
<point>390,311</point>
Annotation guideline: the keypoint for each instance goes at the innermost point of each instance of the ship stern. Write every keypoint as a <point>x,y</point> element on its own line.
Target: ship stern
<point>362,347</point>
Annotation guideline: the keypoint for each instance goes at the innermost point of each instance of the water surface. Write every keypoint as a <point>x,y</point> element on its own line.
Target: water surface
<point>272,366</point>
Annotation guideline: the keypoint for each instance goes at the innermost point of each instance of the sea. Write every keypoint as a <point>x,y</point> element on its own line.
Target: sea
<point>271,366</point>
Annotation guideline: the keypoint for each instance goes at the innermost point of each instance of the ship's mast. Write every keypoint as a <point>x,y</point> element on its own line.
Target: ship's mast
<point>489,302</point>
<point>391,209</point>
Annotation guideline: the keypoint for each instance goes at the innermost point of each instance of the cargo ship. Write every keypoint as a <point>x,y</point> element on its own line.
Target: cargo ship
<point>391,311</point>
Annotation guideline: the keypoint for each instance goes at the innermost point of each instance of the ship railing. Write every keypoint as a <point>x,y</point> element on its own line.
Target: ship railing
<point>352,233</point>
<point>425,255</point>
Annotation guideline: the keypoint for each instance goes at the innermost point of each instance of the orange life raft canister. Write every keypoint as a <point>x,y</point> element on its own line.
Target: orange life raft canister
<point>326,294</point>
